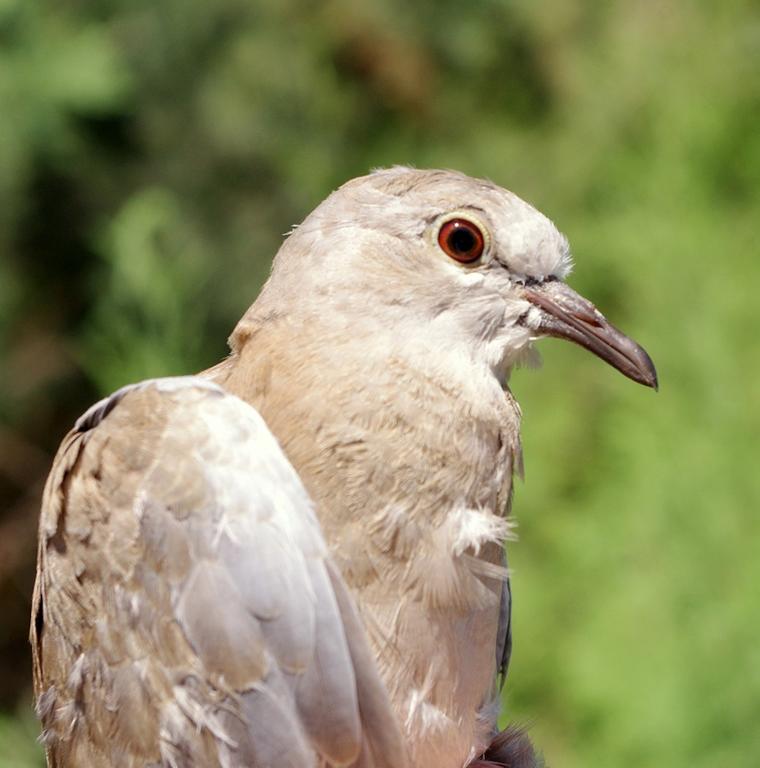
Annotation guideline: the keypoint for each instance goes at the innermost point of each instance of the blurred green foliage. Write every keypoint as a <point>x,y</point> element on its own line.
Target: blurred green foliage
<point>152,153</point>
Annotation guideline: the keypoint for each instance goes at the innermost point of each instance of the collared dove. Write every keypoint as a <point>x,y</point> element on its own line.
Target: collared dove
<point>296,557</point>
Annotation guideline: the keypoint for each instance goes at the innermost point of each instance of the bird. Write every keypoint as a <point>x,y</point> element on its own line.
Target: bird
<point>296,557</point>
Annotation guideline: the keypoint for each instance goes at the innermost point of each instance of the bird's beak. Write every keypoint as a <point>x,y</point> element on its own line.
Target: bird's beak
<point>567,315</point>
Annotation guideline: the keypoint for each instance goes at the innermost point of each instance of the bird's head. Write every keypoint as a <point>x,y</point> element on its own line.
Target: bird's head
<point>442,260</point>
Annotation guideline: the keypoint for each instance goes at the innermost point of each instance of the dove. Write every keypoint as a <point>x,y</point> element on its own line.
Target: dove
<point>296,557</point>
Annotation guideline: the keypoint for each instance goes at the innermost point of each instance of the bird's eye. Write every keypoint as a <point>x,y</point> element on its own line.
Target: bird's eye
<point>462,240</point>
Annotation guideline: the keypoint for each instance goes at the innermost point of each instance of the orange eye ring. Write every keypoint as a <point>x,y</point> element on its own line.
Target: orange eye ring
<point>461,240</point>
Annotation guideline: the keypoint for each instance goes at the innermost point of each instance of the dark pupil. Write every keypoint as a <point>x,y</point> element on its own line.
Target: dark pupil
<point>461,240</point>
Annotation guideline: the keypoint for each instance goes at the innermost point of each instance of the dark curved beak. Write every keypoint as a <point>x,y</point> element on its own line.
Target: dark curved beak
<point>565,314</point>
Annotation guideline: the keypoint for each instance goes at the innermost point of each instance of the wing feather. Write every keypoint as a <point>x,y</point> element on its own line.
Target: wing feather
<point>186,609</point>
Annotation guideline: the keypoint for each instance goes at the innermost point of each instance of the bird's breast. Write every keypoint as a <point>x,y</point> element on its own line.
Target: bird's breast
<point>433,626</point>
<point>411,474</point>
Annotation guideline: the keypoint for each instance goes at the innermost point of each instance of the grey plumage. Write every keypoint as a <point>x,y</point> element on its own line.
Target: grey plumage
<point>210,596</point>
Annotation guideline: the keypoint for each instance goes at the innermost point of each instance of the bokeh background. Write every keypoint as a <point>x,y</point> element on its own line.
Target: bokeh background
<point>151,155</point>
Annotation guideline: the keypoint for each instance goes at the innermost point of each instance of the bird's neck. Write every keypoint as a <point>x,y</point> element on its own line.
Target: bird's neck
<point>378,424</point>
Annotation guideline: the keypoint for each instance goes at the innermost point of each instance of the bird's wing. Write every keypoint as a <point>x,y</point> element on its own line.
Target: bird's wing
<point>504,634</point>
<point>186,610</point>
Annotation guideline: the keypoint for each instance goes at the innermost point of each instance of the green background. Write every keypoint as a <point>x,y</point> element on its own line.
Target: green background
<point>151,155</point>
